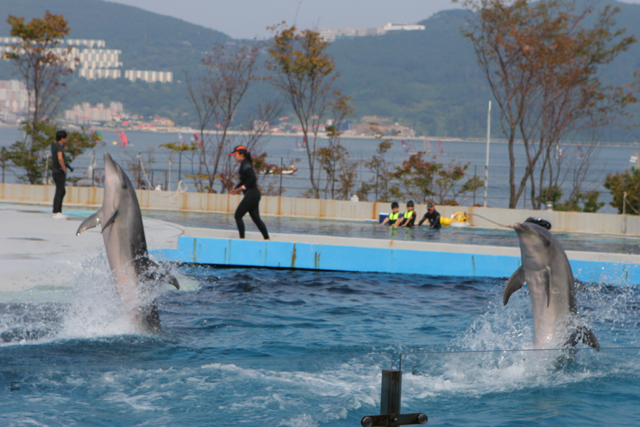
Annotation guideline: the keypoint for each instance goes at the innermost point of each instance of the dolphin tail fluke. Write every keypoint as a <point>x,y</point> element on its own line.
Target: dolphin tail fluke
<point>91,222</point>
<point>514,283</point>
<point>155,273</point>
<point>110,221</point>
<point>585,336</point>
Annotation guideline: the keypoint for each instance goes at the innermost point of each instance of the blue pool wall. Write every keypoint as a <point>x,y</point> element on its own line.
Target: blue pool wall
<point>274,254</point>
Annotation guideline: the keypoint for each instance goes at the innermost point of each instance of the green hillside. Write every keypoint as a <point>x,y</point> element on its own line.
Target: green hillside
<point>425,79</point>
<point>148,41</point>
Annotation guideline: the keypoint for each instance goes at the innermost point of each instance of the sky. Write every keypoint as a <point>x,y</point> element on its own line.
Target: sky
<point>247,19</point>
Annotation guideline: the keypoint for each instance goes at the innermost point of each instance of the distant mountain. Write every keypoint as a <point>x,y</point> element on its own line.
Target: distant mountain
<point>428,79</point>
<point>148,41</point>
<point>425,79</point>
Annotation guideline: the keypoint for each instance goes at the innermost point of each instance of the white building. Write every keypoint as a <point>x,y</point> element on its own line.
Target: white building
<point>93,61</point>
<point>14,96</point>
<point>331,35</point>
<point>403,27</point>
<point>99,58</point>
<point>85,114</point>
<point>92,74</point>
<point>116,107</point>
<point>149,76</point>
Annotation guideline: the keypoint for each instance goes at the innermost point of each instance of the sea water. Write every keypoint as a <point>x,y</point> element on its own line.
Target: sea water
<point>257,347</point>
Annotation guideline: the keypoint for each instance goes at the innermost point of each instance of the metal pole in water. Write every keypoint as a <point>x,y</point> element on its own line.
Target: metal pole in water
<point>475,176</point>
<point>2,153</point>
<point>139,169</point>
<point>179,165</point>
<point>486,167</point>
<point>281,167</point>
<point>390,415</point>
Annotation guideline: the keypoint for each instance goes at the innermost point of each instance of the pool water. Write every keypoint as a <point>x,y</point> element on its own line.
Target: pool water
<point>257,347</point>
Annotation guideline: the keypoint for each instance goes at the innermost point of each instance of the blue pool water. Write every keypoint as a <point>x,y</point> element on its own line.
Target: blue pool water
<point>263,347</point>
<point>298,348</point>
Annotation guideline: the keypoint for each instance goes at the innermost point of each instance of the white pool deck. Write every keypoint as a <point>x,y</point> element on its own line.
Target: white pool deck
<point>38,251</point>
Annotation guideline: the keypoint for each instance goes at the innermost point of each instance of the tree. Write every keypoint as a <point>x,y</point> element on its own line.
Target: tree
<point>625,189</point>
<point>570,166</point>
<point>421,179</point>
<point>415,177</point>
<point>304,71</point>
<point>542,65</point>
<point>41,61</point>
<point>334,158</point>
<point>380,183</point>
<point>28,155</point>
<point>229,71</point>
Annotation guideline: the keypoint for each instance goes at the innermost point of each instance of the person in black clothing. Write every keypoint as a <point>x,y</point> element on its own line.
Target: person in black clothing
<point>248,185</point>
<point>59,172</point>
<point>432,215</point>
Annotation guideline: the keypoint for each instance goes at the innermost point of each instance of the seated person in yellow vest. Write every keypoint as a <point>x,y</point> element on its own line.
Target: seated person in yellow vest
<point>395,216</point>
<point>433,216</point>
<point>409,216</point>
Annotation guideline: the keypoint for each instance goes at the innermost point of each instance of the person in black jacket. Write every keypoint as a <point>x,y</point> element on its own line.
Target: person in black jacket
<point>249,186</point>
<point>59,172</point>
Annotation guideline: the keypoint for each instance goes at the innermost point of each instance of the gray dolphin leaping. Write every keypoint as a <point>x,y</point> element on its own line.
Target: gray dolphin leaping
<point>546,270</point>
<point>126,247</point>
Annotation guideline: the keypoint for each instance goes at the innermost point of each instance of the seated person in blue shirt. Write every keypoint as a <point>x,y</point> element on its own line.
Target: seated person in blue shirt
<point>409,216</point>
<point>394,216</point>
<point>432,215</point>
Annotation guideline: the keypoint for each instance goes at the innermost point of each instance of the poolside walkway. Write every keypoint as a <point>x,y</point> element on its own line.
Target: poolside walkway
<point>39,251</point>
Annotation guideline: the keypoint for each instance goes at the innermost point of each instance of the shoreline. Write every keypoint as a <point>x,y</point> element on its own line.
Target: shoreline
<point>323,136</point>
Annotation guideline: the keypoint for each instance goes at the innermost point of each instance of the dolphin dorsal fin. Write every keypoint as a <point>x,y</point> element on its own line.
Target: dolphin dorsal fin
<point>514,283</point>
<point>110,221</point>
<point>90,222</point>
<point>547,284</point>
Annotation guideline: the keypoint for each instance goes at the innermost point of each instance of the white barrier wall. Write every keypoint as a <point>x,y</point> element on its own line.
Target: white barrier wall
<point>330,209</point>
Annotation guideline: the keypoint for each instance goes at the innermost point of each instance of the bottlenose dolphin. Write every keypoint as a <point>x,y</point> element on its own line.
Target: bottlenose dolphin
<point>126,247</point>
<point>546,270</point>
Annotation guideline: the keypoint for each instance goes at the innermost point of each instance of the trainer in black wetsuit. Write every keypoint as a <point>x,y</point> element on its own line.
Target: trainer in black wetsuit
<point>249,186</point>
<point>432,215</point>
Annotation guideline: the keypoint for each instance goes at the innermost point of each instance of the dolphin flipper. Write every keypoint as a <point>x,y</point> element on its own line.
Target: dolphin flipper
<point>583,335</point>
<point>514,283</point>
<point>547,284</point>
<point>90,222</point>
<point>110,220</point>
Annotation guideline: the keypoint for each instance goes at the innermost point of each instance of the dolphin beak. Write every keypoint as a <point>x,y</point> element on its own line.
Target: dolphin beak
<point>520,229</point>
<point>110,166</point>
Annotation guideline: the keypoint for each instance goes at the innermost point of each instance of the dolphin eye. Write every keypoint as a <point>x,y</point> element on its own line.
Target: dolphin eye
<point>546,242</point>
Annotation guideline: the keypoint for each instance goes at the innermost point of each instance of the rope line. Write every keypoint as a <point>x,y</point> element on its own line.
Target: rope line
<point>487,219</point>
<point>172,195</point>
